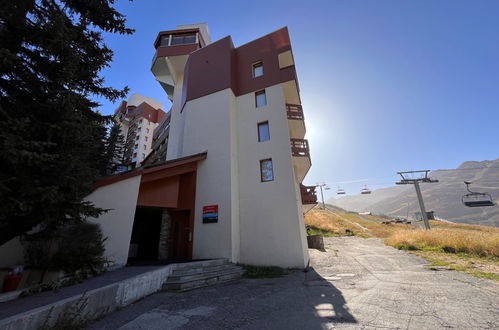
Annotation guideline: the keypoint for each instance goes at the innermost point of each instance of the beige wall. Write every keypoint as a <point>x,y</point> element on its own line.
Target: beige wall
<point>259,223</point>
<point>207,127</point>
<point>271,223</point>
<point>117,223</point>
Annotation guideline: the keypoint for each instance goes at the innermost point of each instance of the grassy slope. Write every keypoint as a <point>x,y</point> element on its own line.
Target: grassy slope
<point>470,248</point>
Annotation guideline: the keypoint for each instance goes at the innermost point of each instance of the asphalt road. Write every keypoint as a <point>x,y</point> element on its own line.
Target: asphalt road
<point>355,284</point>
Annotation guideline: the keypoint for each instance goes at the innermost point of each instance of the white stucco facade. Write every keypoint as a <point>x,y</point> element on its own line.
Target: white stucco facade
<point>120,198</point>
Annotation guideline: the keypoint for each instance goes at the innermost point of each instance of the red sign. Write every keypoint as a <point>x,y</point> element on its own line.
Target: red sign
<point>210,214</point>
<point>210,209</point>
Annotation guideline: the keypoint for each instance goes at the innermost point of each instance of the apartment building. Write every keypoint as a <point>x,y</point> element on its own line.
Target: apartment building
<point>225,177</point>
<point>138,118</point>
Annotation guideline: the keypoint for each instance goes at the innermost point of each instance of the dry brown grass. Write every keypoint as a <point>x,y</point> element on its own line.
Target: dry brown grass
<point>451,240</point>
<point>334,223</point>
<point>442,224</point>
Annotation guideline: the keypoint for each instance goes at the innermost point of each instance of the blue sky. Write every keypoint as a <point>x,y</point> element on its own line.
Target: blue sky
<point>386,86</point>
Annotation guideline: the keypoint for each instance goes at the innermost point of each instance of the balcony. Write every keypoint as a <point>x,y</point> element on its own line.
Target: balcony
<point>308,197</point>
<point>172,50</point>
<point>296,121</point>
<point>301,158</point>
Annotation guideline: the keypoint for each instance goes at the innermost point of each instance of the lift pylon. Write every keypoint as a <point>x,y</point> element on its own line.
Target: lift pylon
<point>415,177</point>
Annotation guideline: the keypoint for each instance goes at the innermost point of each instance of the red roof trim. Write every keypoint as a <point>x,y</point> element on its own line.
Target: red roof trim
<point>151,169</point>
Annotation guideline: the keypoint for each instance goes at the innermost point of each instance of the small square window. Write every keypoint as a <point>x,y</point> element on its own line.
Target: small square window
<point>260,98</point>
<point>257,69</point>
<point>138,137</point>
<point>266,170</point>
<point>143,156</point>
<point>263,131</point>
<point>134,155</point>
<point>145,147</point>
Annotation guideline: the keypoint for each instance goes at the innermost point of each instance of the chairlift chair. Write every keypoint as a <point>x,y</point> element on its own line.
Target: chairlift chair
<point>340,191</point>
<point>476,199</point>
<point>365,190</point>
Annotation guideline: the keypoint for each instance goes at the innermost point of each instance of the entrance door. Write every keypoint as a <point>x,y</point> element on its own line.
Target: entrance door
<point>145,234</point>
<point>179,235</point>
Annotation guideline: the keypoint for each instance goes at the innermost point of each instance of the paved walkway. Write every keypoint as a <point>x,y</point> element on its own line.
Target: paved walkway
<point>357,284</point>
<point>20,305</point>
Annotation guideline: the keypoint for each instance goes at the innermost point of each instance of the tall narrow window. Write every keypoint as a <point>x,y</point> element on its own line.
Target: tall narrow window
<point>263,131</point>
<point>260,98</point>
<point>145,147</point>
<point>266,170</point>
<point>257,69</point>
<point>145,138</point>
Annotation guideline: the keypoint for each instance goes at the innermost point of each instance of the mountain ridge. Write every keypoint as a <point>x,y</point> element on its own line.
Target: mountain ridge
<point>444,197</point>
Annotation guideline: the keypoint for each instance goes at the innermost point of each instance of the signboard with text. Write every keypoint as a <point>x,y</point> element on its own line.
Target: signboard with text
<point>210,214</point>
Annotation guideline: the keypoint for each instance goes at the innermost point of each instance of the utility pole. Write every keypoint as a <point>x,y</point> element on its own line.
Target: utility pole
<point>326,187</point>
<point>423,177</point>
<point>407,216</point>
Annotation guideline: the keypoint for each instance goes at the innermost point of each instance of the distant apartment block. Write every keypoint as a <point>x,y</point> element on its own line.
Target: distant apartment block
<point>224,175</point>
<point>138,118</point>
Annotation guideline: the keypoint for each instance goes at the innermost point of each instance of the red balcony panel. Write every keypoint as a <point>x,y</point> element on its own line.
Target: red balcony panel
<point>308,194</point>
<point>299,148</point>
<point>294,111</point>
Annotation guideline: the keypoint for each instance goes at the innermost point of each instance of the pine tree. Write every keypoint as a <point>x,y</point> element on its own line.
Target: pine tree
<point>51,137</point>
<point>115,148</point>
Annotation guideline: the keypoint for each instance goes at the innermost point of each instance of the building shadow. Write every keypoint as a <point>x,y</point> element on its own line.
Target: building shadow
<point>326,301</point>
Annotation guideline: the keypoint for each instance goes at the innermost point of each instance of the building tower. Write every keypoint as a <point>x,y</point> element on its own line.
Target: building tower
<point>138,118</point>
<point>242,106</point>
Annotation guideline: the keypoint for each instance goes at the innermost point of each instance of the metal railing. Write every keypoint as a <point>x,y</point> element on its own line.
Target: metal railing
<point>299,148</point>
<point>308,194</point>
<point>294,111</point>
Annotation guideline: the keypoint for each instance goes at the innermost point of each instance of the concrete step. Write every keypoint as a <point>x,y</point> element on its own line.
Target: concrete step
<point>203,275</point>
<point>195,284</point>
<point>200,269</point>
<point>204,263</point>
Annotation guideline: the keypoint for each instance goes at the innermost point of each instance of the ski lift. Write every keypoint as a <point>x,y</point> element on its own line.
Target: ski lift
<point>365,190</point>
<point>476,199</point>
<point>340,191</point>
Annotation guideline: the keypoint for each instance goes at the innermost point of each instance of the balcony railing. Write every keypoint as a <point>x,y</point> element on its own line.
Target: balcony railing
<point>299,148</point>
<point>294,111</point>
<point>308,194</point>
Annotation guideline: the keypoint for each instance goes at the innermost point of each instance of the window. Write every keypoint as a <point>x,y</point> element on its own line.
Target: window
<point>183,39</point>
<point>134,154</point>
<point>266,170</point>
<point>260,98</point>
<point>257,69</point>
<point>143,156</point>
<point>140,121</point>
<point>136,146</point>
<point>263,131</point>
<point>145,147</point>
<point>147,131</point>
<point>145,137</point>
<point>165,41</point>
<point>138,137</point>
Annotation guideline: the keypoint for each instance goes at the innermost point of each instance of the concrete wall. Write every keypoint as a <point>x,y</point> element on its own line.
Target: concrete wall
<point>117,223</point>
<point>207,127</point>
<point>11,254</point>
<point>271,223</point>
<point>92,304</point>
